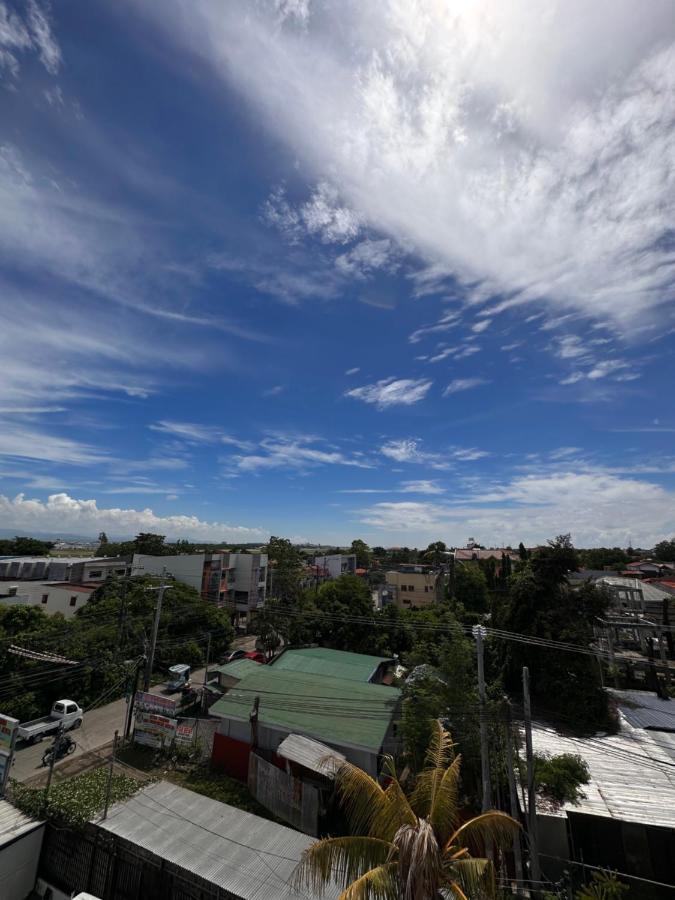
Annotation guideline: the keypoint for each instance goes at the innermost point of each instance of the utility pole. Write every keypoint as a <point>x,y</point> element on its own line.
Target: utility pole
<point>155,629</point>
<point>206,671</point>
<point>479,633</point>
<point>535,872</point>
<point>110,775</point>
<point>513,795</point>
<point>253,720</point>
<point>132,698</point>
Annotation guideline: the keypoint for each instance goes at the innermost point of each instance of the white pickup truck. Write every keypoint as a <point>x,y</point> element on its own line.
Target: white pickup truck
<point>64,713</point>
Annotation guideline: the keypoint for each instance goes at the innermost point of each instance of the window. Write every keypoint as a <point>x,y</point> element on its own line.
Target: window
<point>71,708</point>
<point>96,574</point>
<point>404,587</point>
<point>73,601</point>
<point>426,588</point>
<point>45,597</point>
<point>411,587</point>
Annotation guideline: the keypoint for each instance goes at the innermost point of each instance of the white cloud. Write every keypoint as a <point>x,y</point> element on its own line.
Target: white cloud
<point>597,508</point>
<point>409,450</point>
<point>421,487</point>
<point>24,442</point>
<point>322,216</point>
<point>367,256</point>
<point>392,392</point>
<point>200,434</point>
<point>525,148</point>
<point>463,384</point>
<point>353,371</point>
<point>19,35</point>
<point>295,453</point>
<point>480,326</point>
<point>447,321</point>
<point>62,513</point>
<point>402,451</point>
<point>274,391</point>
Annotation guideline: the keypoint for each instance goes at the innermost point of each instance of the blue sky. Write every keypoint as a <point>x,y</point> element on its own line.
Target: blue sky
<point>338,270</point>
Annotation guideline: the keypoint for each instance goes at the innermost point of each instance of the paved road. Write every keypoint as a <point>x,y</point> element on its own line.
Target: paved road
<point>97,730</point>
<point>98,726</point>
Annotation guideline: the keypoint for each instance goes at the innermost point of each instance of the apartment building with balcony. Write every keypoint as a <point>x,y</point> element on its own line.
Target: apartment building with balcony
<point>412,586</point>
<point>235,580</point>
<point>72,569</point>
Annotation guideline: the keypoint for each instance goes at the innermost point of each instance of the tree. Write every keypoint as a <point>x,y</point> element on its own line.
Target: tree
<point>470,588</point>
<point>286,566</point>
<point>25,546</point>
<point>435,554</point>
<point>150,544</point>
<point>362,552</point>
<point>407,845</point>
<point>522,551</point>
<point>665,551</point>
<point>541,603</point>
<point>559,778</point>
<point>327,614</point>
<point>603,886</point>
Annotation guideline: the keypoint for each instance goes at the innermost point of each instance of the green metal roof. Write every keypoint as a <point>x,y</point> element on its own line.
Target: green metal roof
<point>239,668</point>
<point>335,663</point>
<point>334,710</point>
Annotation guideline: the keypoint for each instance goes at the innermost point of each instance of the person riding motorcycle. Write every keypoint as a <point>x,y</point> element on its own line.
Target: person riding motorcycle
<point>63,746</point>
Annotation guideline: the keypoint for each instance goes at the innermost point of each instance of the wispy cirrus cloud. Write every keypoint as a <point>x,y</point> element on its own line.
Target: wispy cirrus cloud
<point>199,434</point>
<point>464,384</point>
<point>296,453</point>
<point>539,184</point>
<point>27,33</point>
<point>392,392</point>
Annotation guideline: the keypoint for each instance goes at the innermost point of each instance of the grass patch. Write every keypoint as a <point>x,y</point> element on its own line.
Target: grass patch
<point>74,802</point>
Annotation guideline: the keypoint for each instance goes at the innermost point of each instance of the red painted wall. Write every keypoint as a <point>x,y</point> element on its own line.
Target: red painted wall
<point>231,756</point>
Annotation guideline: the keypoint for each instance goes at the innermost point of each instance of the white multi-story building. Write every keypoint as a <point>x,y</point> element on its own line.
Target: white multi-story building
<point>337,564</point>
<point>53,597</point>
<point>237,580</point>
<point>74,569</point>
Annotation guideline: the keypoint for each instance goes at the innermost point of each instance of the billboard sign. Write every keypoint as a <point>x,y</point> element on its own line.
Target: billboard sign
<point>185,734</point>
<point>8,728</point>
<point>154,730</point>
<point>146,702</point>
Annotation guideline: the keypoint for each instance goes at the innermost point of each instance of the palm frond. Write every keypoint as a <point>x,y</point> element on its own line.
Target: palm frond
<point>439,753</point>
<point>495,825</point>
<point>439,757</point>
<point>393,813</point>
<point>340,860</point>
<point>420,864</point>
<point>361,797</point>
<point>474,876</point>
<point>380,883</point>
<point>443,799</point>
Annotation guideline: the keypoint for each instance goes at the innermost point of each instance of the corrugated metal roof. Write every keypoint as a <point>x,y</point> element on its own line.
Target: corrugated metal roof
<point>632,773</point>
<point>14,823</point>
<point>650,592</point>
<point>311,754</point>
<point>334,710</point>
<point>239,668</point>
<point>643,709</point>
<point>334,663</point>
<point>251,857</point>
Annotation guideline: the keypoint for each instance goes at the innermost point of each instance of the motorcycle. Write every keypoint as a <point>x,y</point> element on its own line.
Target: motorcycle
<point>63,747</point>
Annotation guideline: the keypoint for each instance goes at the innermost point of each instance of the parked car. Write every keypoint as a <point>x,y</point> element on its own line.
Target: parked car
<point>231,655</point>
<point>64,713</point>
<point>256,656</point>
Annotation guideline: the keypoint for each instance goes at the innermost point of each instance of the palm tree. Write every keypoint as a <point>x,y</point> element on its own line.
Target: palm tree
<point>407,847</point>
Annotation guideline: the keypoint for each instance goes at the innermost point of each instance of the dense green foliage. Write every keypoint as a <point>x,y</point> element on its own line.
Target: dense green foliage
<point>602,557</point>
<point>665,551</point>
<point>362,552</point>
<point>541,603</point>
<point>603,886</point>
<point>105,635</point>
<point>559,778</point>
<point>74,802</point>
<point>25,546</point>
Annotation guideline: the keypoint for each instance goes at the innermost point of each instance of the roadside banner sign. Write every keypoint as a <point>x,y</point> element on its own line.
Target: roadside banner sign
<point>185,734</point>
<point>146,702</point>
<point>154,730</point>
<point>8,728</point>
<point>5,763</point>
